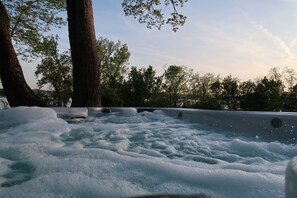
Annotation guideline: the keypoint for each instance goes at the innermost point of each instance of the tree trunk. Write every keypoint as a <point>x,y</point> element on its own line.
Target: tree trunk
<point>16,90</point>
<point>86,71</point>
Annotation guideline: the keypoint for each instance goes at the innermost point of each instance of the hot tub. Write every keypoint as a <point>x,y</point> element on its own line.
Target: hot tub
<point>281,126</point>
<point>127,152</point>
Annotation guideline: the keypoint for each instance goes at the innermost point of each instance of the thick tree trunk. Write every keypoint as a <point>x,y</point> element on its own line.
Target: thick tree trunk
<point>16,90</point>
<point>86,71</point>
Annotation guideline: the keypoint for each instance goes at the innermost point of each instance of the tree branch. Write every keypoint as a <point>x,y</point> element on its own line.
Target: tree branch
<point>18,19</point>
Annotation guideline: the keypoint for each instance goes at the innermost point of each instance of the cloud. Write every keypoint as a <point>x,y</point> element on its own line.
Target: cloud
<point>274,38</point>
<point>293,43</point>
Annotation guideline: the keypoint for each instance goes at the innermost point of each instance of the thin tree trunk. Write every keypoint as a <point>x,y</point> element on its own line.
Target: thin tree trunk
<point>86,71</point>
<point>16,90</point>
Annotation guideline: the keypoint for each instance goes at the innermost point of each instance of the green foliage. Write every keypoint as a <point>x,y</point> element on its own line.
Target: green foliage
<point>275,74</point>
<point>151,12</point>
<point>268,95</point>
<point>290,78</point>
<point>152,84</point>
<point>208,102</point>
<point>176,82</point>
<point>114,58</point>
<point>47,96</point>
<point>2,92</point>
<point>290,99</point>
<point>201,91</point>
<point>142,87</point>
<point>230,92</point>
<point>30,19</point>
<point>247,90</point>
<point>55,71</point>
<point>112,96</point>
<point>135,88</point>
<point>264,95</point>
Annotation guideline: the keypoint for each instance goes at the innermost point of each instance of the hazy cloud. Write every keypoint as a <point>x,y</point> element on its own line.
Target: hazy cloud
<point>274,38</point>
<point>293,43</point>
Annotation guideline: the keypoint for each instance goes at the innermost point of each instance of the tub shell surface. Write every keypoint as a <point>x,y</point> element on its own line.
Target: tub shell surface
<point>277,125</point>
<point>280,126</point>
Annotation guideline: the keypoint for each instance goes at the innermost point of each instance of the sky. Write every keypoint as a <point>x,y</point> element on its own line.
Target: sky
<point>244,38</point>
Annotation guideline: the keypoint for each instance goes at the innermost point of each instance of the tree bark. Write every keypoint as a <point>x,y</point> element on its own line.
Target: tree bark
<point>86,70</point>
<point>16,90</point>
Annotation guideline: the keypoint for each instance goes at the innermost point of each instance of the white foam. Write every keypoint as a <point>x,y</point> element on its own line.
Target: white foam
<point>291,179</point>
<point>3,103</point>
<point>134,154</point>
<point>25,114</point>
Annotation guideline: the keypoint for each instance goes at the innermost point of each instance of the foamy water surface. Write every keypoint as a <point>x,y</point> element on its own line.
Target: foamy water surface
<point>130,154</point>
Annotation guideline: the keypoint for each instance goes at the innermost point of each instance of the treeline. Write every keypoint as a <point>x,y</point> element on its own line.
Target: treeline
<point>177,86</point>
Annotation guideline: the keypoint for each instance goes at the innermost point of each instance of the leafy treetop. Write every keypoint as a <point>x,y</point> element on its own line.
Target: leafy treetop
<point>151,13</point>
<point>30,19</point>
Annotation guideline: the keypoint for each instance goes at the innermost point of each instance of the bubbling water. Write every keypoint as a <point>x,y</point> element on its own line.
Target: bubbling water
<point>132,154</point>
